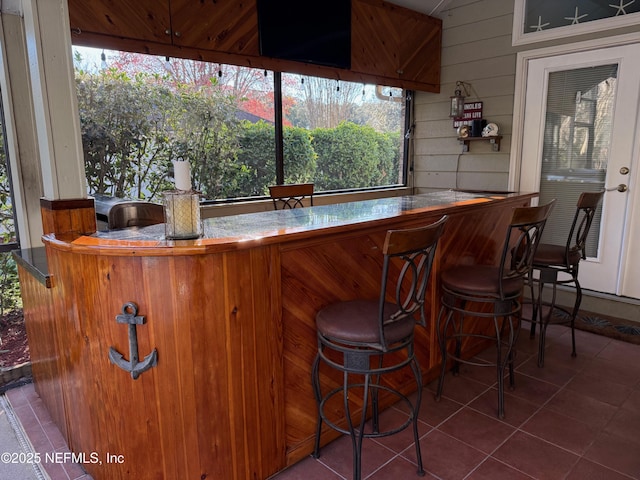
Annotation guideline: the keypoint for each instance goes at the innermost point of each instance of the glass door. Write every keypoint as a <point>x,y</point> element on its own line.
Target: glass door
<point>579,135</point>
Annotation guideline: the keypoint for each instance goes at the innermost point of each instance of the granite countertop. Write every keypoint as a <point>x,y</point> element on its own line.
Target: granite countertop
<point>35,261</point>
<point>251,226</point>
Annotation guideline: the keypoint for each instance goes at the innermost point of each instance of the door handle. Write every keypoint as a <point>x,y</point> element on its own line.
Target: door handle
<point>620,188</point>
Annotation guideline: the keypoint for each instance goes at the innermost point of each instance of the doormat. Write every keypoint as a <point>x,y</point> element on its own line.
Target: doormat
<point>612,327</point>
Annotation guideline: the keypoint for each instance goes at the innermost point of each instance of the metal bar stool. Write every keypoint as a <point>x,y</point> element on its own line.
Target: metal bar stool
<point>490,292</point>
<point>291,196</point>
<point>558,265</point>
<point>369,338</point>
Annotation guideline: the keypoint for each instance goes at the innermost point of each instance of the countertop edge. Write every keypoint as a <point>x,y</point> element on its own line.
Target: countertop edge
<point>34,260</point>
<point>113,247</point>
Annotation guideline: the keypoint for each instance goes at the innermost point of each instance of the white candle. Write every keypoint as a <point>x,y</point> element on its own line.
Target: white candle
<point>182,175</point>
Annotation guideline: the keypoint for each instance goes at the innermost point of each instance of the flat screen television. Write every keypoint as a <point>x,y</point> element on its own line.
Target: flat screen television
<point>295,30</point>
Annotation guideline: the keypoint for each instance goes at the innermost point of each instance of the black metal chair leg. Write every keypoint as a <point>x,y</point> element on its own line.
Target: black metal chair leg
<point>535,311</point>
<point>547,276</point>
<point>375,410</point>
<point>574,314</point>
<point>499,368</point>
<point>513,335</point>
<point>458,350</point>
<point>416,410</point>
<point>356,437</point>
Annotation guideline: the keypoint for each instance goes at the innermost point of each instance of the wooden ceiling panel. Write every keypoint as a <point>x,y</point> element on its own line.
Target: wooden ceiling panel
<point>221,25</point>
<point>143,19</point>
<point>373,39</point>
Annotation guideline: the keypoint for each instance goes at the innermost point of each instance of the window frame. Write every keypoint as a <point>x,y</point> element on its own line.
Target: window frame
<point>519,37</point>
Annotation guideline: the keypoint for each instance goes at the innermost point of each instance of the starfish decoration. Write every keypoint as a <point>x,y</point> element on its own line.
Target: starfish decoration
<point>540,25</point>
<point>576,19</point>
<point>621,8</point>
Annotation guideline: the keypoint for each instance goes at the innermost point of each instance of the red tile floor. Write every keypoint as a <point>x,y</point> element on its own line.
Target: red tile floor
<point>575,419</point>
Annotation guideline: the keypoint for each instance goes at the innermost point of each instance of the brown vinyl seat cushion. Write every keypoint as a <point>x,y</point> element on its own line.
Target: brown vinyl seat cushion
<point>547,254</point>
<point>479,280</point>
<point>356,321</point>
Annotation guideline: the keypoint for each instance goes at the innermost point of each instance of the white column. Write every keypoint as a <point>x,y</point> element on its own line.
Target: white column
<point>20,133</point>
<point>48,41</point>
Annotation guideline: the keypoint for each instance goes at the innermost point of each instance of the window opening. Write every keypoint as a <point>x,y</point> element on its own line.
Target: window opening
<point>139,112</point>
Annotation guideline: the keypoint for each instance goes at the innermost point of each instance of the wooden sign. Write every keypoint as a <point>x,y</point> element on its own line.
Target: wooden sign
<point>472,111</point>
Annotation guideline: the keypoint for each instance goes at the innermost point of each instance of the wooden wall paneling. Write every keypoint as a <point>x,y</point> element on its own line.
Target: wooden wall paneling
<point>224,25</point>
<point>170,303</point>
<point>256,409</point>
<point>266,287</point>
<point>117,404</point>
<point>132,406</point>
<point>141,19</point>
<point>68,342</point>
<point>41,333</point>
<point>206,316</point>
<point>213,406</point>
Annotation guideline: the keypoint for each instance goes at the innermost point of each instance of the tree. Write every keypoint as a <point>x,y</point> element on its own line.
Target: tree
<point>324,103</point>
<point>9,287</point>
<point>299,156</point>
<point>124,134</point>
<point>257,158</point>
<point>206,130</point>
<point>351,156</point>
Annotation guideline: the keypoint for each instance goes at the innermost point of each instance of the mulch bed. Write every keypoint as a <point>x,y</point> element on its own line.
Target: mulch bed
<point>14,349</point>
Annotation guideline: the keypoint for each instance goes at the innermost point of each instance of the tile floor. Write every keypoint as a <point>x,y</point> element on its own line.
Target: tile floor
<point>575,419</point>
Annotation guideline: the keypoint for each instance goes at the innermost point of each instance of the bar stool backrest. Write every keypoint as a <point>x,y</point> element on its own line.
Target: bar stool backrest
<point>523,236</point>
<point>415,248</point>
<point>585,211</point>
<point>291,196</point>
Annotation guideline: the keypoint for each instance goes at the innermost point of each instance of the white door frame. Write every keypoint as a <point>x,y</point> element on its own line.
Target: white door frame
<point>627,278</point>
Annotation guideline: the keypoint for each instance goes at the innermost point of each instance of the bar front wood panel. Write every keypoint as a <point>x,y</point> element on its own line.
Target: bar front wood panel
<point>234,328</point>
<point>44,348</point>
<point>347,266</point>
<point>210,408</point>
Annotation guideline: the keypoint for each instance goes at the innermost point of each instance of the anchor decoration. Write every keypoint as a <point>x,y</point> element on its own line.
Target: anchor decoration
<point>131,318</point>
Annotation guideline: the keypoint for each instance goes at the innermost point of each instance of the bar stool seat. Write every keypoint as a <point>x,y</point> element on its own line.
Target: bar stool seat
<point>366,339</point>
<point>480,280</point>
<point>357,321</point>
<point>492,295</point>
<point>555,255</point>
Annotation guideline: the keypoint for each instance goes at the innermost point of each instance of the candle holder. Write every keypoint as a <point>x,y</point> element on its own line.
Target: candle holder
<point>182,214</point>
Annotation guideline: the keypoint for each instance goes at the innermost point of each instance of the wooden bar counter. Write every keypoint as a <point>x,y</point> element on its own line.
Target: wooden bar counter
<point>230,317</point>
